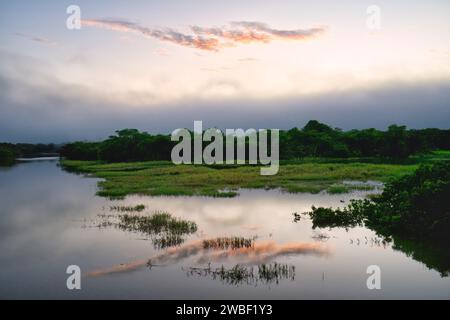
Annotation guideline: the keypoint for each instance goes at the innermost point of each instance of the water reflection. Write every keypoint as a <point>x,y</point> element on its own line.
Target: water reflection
<point>433,256</point>
<point>258,253</point>
<point>43,211</point>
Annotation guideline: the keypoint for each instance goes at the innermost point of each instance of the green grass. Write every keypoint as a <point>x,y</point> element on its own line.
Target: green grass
<point>307,175</point>
<point>338,188</point>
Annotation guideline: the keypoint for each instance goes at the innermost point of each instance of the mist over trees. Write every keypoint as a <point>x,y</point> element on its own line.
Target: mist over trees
<point>315,139</point>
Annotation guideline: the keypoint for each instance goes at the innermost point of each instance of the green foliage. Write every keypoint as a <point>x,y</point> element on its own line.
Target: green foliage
<point>415,206</point>
<point>9,151</point>
<point>128,145</point>
<point>337,188</point>
<point>7,155</point>
<point>314,140</point>
<point>350,216</point>
<point>81,150</point>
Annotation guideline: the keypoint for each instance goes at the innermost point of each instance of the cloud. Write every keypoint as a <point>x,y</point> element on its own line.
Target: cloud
<point>299,34</point>
<point>163,34</point>
<point>248,31</point>
<point>209,39</point>
<point>38,107</point>
<point>240,36</point>
<point>36,39</point>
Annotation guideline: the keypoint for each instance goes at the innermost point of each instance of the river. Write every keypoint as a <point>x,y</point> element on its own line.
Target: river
<point>48,221</point>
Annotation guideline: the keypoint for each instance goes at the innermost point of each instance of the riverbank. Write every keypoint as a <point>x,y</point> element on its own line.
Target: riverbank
<point>307,175</point>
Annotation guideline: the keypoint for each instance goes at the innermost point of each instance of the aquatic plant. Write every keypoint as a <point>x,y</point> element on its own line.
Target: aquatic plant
<point>167,240</point>
<point>328,217</point>
<point>224,243</point>
<point>161,228</point>
<point>136,208</point>
<point>274,272</point>
<point>156,223</point>
<point>319,236</point>
<point>239,274</point>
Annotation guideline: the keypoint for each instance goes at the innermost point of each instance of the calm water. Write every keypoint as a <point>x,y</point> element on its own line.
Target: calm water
<point>47,221</point>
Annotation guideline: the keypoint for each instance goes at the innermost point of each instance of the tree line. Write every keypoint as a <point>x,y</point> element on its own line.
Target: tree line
<point>10,151</point>
<point>315,139</point>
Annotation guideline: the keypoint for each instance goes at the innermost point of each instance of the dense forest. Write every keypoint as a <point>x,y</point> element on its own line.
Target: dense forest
<point>315,139</point>
<point>9,151</point>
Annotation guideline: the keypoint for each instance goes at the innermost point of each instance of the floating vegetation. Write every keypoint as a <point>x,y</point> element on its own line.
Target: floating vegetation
<point>328,217</point>
<point>158,222</point>
<point>167,240</point>
<point>274,272</point>
<point>136,208</point>
<point>297,217</point>
<point>319,236</point>
<point>271,273</point>
<point>225,243</point>
<point>162,228</point>
<point>372,241</point>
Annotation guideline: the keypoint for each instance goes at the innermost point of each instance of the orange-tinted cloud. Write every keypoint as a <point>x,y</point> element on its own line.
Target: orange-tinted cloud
<point>165,34</point>
<point>210,39</point>
<point>242,36</point>
<point>298,34</point>
<point>247,32</point>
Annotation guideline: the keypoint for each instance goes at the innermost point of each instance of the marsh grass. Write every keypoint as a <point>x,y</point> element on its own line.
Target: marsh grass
<point>167,240</point>
<point>136,208</point>
<point>274,272</point>
<point>161,228</point>
<point>163,178</point>
<point>225,243</point>
<point>337,189</point>
<point>159,222</point>
<point>271,273</point>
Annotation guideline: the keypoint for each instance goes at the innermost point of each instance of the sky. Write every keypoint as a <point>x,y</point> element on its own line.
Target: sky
<point>160,65</point>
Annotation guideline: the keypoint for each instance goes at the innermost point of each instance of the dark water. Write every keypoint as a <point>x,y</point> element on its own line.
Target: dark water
<point>47,222</point>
